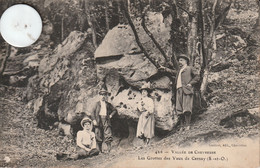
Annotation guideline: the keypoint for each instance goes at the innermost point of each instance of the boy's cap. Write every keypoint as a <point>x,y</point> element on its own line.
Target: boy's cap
<point>85,120</point>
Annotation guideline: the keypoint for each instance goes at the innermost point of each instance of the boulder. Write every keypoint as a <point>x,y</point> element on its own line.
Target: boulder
<point>220,66</point>
<point>120,40</point>
<point>133,68</point>
<point>64,129</point>
<point>123,68</point>
<point>116,42</point>
<point>119,51</point>
<point>63,81</point>
<point>241,118</point>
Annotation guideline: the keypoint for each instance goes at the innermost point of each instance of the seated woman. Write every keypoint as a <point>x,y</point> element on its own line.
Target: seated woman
<point>86,142</point>
<point>145,126</point>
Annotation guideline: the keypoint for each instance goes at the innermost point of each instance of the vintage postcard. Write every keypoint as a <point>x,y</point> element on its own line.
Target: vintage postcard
<point>129,83</point>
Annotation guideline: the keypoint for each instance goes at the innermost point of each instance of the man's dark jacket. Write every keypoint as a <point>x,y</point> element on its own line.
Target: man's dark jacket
<point>96,110</point>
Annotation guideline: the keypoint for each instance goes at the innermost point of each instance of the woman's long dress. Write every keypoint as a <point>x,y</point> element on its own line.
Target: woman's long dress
<point>145,126</point>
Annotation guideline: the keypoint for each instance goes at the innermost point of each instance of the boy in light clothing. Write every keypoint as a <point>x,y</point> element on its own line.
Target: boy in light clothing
<point>86,142</point>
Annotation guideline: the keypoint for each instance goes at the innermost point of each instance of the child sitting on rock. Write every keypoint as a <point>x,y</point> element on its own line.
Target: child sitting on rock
<point>86,142</point>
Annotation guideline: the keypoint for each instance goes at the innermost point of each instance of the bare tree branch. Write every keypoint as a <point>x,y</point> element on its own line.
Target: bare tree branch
<point>222,16</point>
<point>149,33</point>
<point>214,7</point>
<point>137,37</point>
<point>185,10</point>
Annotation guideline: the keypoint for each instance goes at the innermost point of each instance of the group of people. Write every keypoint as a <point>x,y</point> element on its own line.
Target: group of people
<point>91,143</point>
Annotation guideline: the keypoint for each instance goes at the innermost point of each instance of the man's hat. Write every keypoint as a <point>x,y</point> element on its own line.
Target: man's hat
<point>184,57</point>
<point>85,120</point>
<point>103,91</point>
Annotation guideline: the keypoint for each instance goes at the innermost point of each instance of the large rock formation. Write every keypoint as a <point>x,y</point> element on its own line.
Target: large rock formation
<point>66,86</point>
<point>124,69</point>
<point>63,82</point>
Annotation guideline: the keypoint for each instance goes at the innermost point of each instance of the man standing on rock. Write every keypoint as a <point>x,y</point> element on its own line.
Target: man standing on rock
<point>101,116</point>
<point>186,78</point>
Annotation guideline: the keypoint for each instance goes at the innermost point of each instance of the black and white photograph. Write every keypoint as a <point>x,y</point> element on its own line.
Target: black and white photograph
<point>129,83</point>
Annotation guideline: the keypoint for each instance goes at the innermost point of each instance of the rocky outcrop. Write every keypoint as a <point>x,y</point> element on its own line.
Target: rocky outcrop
<point>124,69</point>
<point>240,118</point>
<point>63,82</point>
<point>66,86</point>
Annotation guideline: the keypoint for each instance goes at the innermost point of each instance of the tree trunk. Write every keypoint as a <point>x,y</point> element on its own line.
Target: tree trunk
<point>62,29</point>
<point>4,58</point>
<point>129,6</point>
<point>211,42</point>
<point>176,34</point>
<point>209,53</point>
<point>257,25</point>
<point>203,34</point>
<point>120,13</point>
<point>204,67</point>
<point>214,46</point>
<point>151,3</point>
<point>94,35</point>
<point>204,82</point>
<point>91,24</point>
<point>192,35</point>
<point>106,15</point>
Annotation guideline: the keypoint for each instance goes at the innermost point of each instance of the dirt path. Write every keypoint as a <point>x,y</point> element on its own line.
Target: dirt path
<point>28,146</point>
